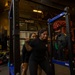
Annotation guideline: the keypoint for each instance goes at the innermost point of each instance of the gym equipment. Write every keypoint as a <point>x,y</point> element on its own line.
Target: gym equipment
<point>71,62</point>
<point>63,63</point>
<point>14,38</point>
<point>4,57</point>
<point>11,68</point>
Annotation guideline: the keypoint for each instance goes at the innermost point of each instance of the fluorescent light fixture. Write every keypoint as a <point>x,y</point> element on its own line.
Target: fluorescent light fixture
<point>38,11</point>
<point>34,10</point>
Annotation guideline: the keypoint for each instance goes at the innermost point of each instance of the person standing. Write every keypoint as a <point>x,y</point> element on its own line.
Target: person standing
<point>26,55</point>
<point>38,55</point>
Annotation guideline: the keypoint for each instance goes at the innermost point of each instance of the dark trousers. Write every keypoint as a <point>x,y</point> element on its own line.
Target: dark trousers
<point>45,65</point>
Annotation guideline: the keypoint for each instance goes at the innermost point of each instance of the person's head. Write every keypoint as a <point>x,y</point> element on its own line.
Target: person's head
<point>43,34</point>
<point>32,35</point>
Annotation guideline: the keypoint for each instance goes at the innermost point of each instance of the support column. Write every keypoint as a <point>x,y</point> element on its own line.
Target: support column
<point>70,44</point>
<point>16,37</point>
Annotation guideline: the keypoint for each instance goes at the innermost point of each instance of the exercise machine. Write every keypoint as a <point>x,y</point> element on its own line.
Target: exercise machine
<point>14,60</point>
<point>71,62</point>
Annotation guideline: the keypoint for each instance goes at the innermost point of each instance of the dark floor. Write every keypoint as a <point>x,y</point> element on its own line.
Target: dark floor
<point>59,70</point>
<point>4,70</point>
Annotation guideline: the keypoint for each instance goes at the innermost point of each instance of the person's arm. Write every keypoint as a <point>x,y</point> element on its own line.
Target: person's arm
<point>23,56</point>
<point>28,47</point>
<point>23,53</point>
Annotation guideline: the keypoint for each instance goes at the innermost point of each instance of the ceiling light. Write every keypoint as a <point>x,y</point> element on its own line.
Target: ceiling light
<point>34,10</point>
<point>38,11</point>
<point>6,4</point>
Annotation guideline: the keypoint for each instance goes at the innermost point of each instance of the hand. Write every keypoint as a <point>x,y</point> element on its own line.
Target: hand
<point>22,65</point>
<point>26,40</point>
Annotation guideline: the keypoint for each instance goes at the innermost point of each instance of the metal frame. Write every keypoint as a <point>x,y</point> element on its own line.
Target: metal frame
<point>14,38</point>
<point>70,48</point>
<point>11,36</point>
<point>51,47</point>
<point>16,43</point>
